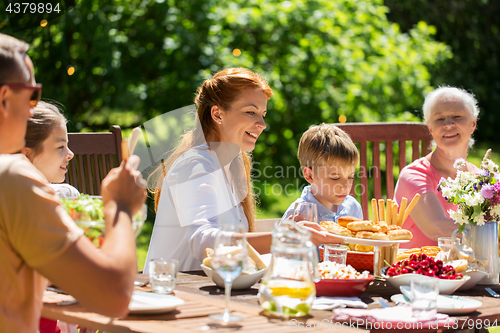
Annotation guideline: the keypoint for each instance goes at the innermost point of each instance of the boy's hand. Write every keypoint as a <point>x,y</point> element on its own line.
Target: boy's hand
<point>318,235</point>
<point>125,186</point>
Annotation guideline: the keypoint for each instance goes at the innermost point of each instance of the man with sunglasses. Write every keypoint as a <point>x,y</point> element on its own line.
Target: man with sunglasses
<point>38,240</point>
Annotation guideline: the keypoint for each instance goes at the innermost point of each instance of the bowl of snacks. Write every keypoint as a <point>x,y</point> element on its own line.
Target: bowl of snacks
<point>418,267</point>
<point>253,270</point>
<point>341,280</point>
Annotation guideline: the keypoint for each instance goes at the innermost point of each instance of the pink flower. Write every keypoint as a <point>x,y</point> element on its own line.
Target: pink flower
<point>487,191</point>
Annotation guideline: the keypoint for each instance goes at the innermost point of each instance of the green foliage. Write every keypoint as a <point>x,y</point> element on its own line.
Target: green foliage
<point>471,29</point>
<point>322,58</point>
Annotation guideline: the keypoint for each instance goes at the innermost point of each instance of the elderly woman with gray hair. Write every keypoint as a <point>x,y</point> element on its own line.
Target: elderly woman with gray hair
<point>451,116</point>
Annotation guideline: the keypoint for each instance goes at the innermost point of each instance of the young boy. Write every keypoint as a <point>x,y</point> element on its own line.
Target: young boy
<point>328,159</point>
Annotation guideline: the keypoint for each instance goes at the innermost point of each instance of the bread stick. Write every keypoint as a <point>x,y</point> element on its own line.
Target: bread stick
<point>125,153</point>
<point>375,210</point>
<point>402,210</point>
<point>388,212</point>
<point>394,213</point>
<point>381,209</point>
<point>410,207</point>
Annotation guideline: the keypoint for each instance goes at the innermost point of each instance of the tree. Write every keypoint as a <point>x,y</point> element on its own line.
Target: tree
<point>323,59</point>
<point>471,29</point>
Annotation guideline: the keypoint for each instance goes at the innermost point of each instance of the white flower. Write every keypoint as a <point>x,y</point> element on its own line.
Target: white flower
<point>479,219</point>
<point>495,210</point>
<point>470,200</point>
<point>447,192</point>
<point>458,216</point>
<point>479,198</point>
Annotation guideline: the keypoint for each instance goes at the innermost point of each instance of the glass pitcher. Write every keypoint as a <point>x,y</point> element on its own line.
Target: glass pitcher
<point>287,289</point>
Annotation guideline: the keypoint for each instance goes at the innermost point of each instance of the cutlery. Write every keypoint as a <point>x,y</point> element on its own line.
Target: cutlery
<point>67,302</point>
<point>382,302</point>
<point>57,290</point>
<point>492,292</point>
<point>140,284</point>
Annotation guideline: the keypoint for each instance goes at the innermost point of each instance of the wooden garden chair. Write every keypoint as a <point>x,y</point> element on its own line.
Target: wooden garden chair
<point>95,155</point>
<point>369,137</point>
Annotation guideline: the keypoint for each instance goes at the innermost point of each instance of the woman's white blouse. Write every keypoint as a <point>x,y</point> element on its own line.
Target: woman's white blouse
<point>195,199</point>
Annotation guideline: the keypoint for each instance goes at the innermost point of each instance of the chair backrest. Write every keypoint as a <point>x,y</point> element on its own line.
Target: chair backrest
<point>369,137</point>
<point>95,155</point>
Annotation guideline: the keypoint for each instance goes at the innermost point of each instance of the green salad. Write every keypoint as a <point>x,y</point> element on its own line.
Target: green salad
<point>87,212</point>
<point>84,208</point>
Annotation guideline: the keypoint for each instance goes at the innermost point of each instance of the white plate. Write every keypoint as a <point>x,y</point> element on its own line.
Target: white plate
<point>448,304</point>
<point>371,242</point>
<point>148,303</point>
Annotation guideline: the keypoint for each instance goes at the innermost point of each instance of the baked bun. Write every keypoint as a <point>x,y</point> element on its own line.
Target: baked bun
<point>209,252</point>
<point>393,227</point>
<point>382,225</point>
<point>372,235</point>
<point>363,226</point>
<point>344,220</point>
<point>335,229</point>
<point>363,248</point>
<point>399,234</point>
<point>207,262</point>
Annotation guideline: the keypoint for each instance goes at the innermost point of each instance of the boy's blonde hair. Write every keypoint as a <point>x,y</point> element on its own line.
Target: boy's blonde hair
<point>325,144</point>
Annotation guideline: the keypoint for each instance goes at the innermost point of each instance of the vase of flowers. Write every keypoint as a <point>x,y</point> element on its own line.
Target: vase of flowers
<point>477,198</point>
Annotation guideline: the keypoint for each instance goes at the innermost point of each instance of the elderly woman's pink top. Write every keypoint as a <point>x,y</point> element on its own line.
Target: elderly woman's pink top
<point>419,177</point>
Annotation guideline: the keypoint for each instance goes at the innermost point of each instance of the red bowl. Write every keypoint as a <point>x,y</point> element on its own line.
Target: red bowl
<point>343,287</point>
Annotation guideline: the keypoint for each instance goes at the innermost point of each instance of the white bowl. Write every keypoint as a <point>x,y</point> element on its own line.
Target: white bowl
<point>244,281</point>
<point>475,277</point>
<point>446,287</point>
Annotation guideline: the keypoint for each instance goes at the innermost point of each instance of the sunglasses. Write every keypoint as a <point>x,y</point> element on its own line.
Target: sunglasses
<point>35,96</point>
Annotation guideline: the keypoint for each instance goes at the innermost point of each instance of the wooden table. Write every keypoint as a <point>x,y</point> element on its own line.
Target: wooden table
<point>203,298</point>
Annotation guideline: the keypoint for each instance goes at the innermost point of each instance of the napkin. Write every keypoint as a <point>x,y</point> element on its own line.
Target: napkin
<point>393,317</point>
<point>329,303</point>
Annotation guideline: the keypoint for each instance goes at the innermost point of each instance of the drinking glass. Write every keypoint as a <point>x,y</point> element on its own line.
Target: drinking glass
<point>445,243</point>
<point>335,253</point>
<point>230,253</point>
<point>305,211</point>
<point>162,275</point>
<point>424,294</point>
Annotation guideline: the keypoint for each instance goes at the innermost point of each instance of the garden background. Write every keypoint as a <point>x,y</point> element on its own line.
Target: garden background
<point>125,62</point>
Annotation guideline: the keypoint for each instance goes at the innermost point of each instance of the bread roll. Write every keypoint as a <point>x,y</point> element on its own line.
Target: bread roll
<point>209,252</point>
<point>208,262</point>
<point>460,265</point>
<point>382,225</point>
<point>335,229</point>
<point>393,227</point>
<point>372,235</point>
<point>344,220</point>
<point>255,257</point>
<point>363,226</point>
<point>399,234</point>
<point>363,248</point>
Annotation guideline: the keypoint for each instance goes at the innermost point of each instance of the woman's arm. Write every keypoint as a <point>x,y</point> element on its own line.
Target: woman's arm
<point>431,218</point>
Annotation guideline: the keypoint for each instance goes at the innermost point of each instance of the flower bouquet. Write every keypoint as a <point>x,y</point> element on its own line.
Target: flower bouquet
<point>477,196</point>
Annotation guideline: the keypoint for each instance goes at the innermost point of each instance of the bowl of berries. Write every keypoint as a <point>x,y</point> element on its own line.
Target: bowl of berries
<point>421,266</point>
